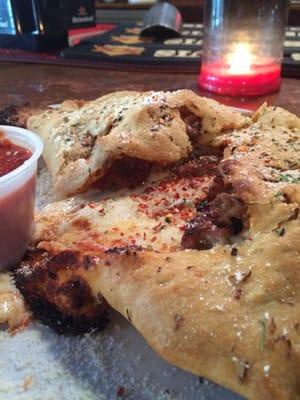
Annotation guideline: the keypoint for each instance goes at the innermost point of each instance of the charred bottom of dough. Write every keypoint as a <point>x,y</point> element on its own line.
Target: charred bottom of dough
<point>56,293</point>
<point>63,323</point>
<point>16,115</point>
<point>9,115</point>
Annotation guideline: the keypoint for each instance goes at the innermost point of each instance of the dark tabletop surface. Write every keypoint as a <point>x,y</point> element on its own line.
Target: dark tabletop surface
<point>48,84</point>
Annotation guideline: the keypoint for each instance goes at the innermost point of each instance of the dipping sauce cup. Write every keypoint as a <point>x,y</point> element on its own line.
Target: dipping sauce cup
<point>17,198</point>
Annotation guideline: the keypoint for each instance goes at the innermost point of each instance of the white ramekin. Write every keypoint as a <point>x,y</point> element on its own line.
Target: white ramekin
<point>17,198</point>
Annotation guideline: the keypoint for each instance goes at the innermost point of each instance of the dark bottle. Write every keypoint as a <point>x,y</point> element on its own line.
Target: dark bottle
<point>42,24</point>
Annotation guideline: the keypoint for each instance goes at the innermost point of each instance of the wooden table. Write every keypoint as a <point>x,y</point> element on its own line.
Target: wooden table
<point>47,84</point>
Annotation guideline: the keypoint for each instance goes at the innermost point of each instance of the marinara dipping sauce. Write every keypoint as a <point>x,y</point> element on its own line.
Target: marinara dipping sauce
<point>19,153</point>
<point>11,155</point>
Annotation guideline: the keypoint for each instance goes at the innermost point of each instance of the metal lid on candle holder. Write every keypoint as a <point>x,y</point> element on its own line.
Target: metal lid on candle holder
<point>163,19</point>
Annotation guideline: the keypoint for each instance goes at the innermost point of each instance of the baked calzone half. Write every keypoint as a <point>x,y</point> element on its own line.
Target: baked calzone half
<point>202,256</point>
<point>83,139</point>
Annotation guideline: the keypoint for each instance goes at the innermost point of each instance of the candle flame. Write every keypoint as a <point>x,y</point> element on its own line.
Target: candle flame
<point>240,60</point>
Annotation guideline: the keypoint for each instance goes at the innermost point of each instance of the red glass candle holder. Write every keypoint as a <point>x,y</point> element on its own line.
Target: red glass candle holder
<point>243,46</point>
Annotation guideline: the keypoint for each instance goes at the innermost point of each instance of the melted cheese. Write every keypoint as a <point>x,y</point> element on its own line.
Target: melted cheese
<point>153,216</point>
<point>12,308</point>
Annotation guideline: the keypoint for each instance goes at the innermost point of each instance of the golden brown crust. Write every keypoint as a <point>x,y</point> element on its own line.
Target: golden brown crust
<point>232,319</point>
<point>230,313</point>
<point>82,141</point>
<point>236,322</point>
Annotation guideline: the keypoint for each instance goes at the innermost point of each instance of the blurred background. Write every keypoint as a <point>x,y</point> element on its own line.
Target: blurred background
<point>106,33</point>
<point>191,10</point>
